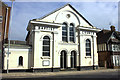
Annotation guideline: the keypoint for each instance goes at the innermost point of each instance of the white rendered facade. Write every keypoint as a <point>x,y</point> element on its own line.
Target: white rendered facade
<point>61,40</point>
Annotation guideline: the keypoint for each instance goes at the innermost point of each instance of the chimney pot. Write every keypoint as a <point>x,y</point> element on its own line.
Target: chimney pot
<point>112,28</point>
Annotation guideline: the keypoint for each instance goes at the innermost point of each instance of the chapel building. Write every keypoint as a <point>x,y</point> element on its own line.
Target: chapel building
<point>61,40</point>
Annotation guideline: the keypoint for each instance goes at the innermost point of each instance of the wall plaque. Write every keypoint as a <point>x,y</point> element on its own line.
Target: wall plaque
<point>46,63</point>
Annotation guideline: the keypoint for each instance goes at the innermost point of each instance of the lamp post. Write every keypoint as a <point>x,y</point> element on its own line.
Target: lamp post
<point>9,37</point>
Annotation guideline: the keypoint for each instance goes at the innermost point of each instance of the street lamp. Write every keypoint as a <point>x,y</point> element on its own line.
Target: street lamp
<point>9,37</point>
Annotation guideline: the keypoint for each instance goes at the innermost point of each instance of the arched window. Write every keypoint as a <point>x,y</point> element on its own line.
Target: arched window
<point>64,32</point>
<point>46,46</point>
<point>88,47</point>
<point>71,32</point>
<point>20,61</point>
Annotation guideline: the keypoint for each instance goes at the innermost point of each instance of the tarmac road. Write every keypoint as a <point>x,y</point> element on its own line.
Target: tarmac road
<point>69,75</point>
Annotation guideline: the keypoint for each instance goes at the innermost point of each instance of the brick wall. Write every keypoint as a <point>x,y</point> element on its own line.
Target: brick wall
<point>104,59</point>
<point>4,27</point>
<point>0,39</point>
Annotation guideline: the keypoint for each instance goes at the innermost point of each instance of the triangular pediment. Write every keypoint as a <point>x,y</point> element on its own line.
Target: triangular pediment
<point>60,15</point>
<point>113,36</point>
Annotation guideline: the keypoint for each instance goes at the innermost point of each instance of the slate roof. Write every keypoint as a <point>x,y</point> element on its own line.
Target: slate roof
<point>17,44</point>
<point>104,35</point>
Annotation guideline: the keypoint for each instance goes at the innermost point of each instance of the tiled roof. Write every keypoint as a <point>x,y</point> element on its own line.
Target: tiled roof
<point>104,35</point>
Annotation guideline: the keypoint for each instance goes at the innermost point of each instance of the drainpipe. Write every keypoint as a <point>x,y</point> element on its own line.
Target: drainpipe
<point>93,52</point>
<point>53,52</point>
<point>6,23</point>
<point>107,53</point>
<point>79,49</point>
<point>3,41</point>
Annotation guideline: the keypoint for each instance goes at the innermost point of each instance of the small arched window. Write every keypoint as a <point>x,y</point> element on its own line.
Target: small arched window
<point>46,46</point>
<point>88,47</point>
<point>64,32</point>
<point>20,61</point>
<point>71,32</point>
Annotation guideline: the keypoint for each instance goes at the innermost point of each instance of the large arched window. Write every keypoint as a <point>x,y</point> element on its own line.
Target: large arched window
<point>20,61</point>
<point>64,32</point>
<point>88,47</point>
<point>71,33</point>
<point>46,46</point>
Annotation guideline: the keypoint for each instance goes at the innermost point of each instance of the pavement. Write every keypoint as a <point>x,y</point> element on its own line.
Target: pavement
<point>61,73</point>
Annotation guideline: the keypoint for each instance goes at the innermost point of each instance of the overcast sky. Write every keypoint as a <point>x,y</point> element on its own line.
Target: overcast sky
<point>99,14</point>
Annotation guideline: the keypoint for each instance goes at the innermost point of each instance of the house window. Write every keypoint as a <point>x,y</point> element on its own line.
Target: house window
<point>46,46</point>
<point>20,61</point>
<point>114,47</point>
<point>116,61</point>
<point>64,32</point>
<point>88,47</point>
<point>71,32</point>
<point>119,47</point>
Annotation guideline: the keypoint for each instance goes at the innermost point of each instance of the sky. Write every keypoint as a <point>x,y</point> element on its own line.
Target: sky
<point>99,14</point>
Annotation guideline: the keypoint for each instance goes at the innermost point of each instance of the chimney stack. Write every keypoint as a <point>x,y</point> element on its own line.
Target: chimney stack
<point>112,28</point>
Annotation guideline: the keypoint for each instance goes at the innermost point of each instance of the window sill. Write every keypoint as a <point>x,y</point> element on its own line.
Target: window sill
<point>20,66</point>
<point>88,57</point>
<point>68,43</point>
<point>45,57</point>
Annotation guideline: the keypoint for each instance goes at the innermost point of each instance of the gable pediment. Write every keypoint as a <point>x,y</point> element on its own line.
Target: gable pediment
<point>66,14</point>
<point>114,38</point>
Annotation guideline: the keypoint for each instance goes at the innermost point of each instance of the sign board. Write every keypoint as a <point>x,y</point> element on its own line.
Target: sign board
<point>1,18</point>
<point>46,63</point>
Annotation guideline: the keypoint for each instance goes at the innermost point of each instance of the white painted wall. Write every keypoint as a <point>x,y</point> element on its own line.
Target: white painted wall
<point>36,39</point>
<point>14,58</point>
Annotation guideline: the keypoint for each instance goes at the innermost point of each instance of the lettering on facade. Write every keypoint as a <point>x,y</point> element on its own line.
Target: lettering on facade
<point>87,32</point>
<point>45,28</point>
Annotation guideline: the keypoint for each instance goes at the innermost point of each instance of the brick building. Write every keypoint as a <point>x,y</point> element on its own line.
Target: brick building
<point>4,26</point>
<point>109,48</point>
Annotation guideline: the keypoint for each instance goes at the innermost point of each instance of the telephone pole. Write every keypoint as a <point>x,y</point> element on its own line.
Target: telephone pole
<point>9,38</point>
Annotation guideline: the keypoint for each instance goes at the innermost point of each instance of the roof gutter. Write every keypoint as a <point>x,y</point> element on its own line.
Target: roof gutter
<point>88,28</point>
<point>46,23</point>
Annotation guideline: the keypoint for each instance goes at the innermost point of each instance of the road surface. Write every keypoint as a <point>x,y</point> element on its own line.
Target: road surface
<point>68,75</point>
